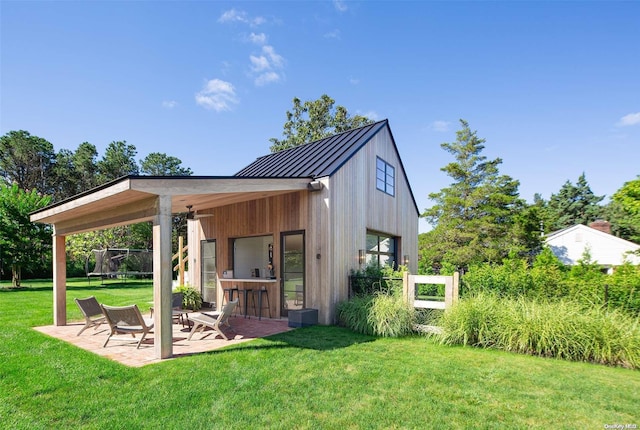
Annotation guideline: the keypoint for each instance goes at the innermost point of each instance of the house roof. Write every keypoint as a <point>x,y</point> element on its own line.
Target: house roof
<point>314,159</point>
<point>320,158</point>
<point>281,172</point>
<point>570,243</point>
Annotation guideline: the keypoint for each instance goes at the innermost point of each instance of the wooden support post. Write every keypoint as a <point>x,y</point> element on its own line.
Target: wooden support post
<point>456,288</point>
<point>406,293</point>
<point>162,278</point>
<point>59,280</point>
<point>180,262</point>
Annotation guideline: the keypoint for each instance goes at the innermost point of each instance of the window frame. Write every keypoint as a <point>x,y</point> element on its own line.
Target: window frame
<point>375,255</point>
<point>386,183</point>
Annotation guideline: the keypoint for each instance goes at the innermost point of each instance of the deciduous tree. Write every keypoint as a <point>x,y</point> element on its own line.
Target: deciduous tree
<point>624,211</point>
<point>313,120</point>
<point>22,243</point>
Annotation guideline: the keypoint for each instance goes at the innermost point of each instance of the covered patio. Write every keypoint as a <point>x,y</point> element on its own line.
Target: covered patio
<point>241,330</point>
<point>134,199</point>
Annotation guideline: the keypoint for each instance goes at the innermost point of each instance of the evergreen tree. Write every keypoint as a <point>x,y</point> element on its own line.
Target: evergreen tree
<point>574,204</point>
<point>27,161</point>
<point>473,218</point>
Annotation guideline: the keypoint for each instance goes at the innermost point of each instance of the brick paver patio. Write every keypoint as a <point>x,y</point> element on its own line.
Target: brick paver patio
<point>242,330</point>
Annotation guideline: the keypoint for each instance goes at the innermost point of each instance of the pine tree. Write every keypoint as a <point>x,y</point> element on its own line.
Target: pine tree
<point>473,218</point>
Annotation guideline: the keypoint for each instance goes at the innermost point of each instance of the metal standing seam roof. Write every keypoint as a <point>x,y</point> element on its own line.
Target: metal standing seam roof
<point>315,159</point>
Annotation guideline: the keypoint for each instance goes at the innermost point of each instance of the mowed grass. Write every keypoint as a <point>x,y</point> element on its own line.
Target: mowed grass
<point>317,377</point>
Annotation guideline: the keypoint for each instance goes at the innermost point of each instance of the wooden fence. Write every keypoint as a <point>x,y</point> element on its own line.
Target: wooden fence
<point>450,290</point>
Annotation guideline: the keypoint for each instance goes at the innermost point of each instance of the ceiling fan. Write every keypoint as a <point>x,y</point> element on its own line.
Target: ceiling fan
<point>192,215</point>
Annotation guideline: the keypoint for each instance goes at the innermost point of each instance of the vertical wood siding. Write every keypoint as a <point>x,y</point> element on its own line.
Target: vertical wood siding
<point>335,221</point>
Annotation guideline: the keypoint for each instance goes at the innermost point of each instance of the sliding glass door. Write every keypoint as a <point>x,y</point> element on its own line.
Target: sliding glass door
<point>209,273</point>
<point>292,273</point>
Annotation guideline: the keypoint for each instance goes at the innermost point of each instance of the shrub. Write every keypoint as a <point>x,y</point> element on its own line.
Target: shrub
<point>623,289</point>
<point>378,314</point>
<point>561,329</point>
<point>191,298</point>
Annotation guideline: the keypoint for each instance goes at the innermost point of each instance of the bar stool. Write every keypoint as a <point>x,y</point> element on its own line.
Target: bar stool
<point>228,294</point>
<point>263,291</point>
<point>246,293</point>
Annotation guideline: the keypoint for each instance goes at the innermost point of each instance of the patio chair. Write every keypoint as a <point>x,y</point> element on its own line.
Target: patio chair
<point>213,320</point>
<point>178,314</point>
<point>126,320</point>
<point>92,312</point>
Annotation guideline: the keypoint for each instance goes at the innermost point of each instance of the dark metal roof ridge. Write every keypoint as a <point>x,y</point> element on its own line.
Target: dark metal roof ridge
<point>315,141</point>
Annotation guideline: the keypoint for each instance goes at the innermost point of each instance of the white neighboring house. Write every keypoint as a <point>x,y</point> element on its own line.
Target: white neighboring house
<point>607,250</point>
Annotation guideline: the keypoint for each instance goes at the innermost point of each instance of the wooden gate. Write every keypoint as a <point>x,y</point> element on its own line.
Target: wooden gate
<point>450,290</point>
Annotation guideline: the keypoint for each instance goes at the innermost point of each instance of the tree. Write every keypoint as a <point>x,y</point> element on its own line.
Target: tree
<point>624,211</point>
<point>118,160</point>
<point>473,218</point>
<point>158,164</point>
<point>23,244</point>
<point>574,204</point>
<point>313,120</point>
<point>27,161</point>
<point>75,172</point>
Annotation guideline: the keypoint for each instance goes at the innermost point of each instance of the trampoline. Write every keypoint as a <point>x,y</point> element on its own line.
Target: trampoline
<point>119,263</point>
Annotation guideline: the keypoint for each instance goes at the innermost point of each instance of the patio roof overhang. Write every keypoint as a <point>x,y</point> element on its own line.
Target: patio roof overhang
<point>133,199</point>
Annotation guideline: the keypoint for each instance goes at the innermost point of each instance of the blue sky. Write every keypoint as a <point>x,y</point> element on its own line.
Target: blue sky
<point>553,87</point>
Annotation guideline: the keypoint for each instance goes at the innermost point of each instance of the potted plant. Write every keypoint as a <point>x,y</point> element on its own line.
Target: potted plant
<point>191,298</point>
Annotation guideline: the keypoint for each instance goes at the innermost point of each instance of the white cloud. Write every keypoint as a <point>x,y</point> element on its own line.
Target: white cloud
<point>258,39</point>
<point>217,95</point>
<point>630,119</point>
<point>440,125</point>
<point>259,64</point>
<point>266,78</point>
<point>354,81</point>
<point>267,66</point>
<point>340,5</point>
<point>169,104</point>
<point>233,15</point>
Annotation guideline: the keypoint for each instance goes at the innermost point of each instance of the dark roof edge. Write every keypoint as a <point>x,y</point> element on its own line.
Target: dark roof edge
<point>404,172</point>
<point>374,130</point>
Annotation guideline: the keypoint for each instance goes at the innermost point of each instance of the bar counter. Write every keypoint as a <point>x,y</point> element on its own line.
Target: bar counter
<point>271,285</point>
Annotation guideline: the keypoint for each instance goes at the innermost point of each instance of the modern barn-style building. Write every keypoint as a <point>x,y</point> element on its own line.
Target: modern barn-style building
<point>292,223</point>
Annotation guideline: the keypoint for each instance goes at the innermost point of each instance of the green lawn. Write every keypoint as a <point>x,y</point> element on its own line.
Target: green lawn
<point>318,377</point>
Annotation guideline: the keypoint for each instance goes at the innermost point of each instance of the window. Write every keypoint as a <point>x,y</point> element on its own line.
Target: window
<point>385,177</point>
<point>381,249</point>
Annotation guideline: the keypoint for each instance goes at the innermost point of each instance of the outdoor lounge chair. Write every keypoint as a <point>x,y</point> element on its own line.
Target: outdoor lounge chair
<point>213,320</point>
<point>92,312</point>
<point>178,314</point>
<point>126,320</point>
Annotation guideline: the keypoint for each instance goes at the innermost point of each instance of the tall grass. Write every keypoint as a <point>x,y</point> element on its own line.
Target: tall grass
<point>561,329</point>
<point>386,315</point>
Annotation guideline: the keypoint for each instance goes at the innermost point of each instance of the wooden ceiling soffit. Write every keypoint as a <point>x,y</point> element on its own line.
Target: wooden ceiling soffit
<point>131,213</point>
<point>185,186</point>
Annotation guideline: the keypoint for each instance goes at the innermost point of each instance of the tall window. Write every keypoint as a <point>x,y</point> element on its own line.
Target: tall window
<point>385,177</point>
<point>381,249</point>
